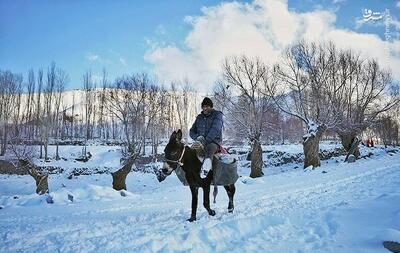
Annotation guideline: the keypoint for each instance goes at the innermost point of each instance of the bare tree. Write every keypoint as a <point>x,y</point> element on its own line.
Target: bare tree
<point>125,101</point>
<point>242,93</point>
<point>300,90</point>
<point>24,155</point>
<point>88,89</point>
<point>29,106</point>
<point>49,117</point>
<point>102,100</point>
<point>61,81</point>
<point>360,91</point>
<point>38,109</point>
<point>47,122</point>
<point>388,130</point>
<point>180,95</point>
<point>17,110</point>
<point>73,125</point>
<point>10,89</point>
<point>154,114</point>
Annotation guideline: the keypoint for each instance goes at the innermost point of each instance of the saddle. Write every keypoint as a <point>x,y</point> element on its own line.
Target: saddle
<point>199,148</point>
<point>224,170</point>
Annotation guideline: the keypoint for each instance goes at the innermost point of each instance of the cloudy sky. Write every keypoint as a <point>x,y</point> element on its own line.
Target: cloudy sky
<point>178,39</point>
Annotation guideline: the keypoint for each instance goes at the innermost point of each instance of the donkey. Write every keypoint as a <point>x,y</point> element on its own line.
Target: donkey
<point>177,154</point>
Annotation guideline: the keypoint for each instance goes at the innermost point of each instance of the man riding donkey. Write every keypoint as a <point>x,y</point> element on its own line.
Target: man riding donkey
<point>207,129</point>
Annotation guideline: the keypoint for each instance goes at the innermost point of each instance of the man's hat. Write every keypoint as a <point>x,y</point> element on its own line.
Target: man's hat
<point>207,101</point>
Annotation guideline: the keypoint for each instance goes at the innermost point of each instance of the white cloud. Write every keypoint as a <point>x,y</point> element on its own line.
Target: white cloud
<point>262,28</point>
<point>161,30</point>
<point>122,61</point>
<point>398,4</point>
<point>92,57</point>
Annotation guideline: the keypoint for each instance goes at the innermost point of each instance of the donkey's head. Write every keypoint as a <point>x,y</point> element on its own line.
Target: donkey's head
<point>173,153</point>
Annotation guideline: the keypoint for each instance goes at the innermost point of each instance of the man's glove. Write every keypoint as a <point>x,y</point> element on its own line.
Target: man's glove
<point>201,139</point>
<point>199,147</point>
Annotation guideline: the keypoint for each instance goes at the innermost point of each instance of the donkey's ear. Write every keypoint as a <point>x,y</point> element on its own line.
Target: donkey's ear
<point>172,137</point>
<point>179,136</point>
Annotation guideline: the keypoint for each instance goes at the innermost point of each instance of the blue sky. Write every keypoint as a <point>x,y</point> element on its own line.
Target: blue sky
<point>116,35</point>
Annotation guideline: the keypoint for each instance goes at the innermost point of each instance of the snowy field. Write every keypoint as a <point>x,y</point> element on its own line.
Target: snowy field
<point>338,207</point>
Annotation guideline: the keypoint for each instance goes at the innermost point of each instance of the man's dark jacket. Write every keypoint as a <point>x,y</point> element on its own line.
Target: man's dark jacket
<point>209,126</point>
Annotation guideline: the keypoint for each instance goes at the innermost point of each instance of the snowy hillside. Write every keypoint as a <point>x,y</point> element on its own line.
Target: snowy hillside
<point>339,207</point>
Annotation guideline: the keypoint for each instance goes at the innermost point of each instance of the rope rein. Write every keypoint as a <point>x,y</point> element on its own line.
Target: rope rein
<point>179,162</point>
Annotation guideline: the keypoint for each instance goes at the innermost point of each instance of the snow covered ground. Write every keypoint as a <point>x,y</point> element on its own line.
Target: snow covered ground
<point>338,207</point>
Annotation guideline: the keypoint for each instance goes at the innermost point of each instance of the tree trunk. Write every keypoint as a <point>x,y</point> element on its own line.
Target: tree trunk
<point>42,185</point>
<point>347,139</point>
<point>144,146</point>
<point>1,142</point>
<point>311,152</point>
<point>352,150</point>
<point>311,148</point>
<point>57,154</point>
<point>256,160</point>
<point>119,177</point>
<point>3,147</point>
<point>45,146</point>
<point>41,150</point>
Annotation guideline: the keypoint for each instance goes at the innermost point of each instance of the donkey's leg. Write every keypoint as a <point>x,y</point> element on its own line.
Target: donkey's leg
<point>195,191</point>
<point>206,200</point>
<point>230,190</point>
